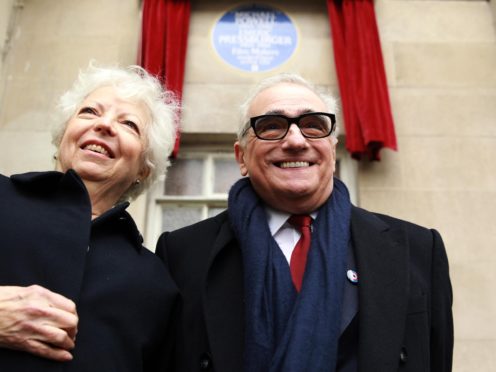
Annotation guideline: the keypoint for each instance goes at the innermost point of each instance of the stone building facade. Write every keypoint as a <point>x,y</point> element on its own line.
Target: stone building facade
<point>440,59</point>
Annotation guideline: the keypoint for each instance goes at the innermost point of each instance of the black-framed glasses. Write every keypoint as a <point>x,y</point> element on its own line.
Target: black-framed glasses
<point>274,127</point>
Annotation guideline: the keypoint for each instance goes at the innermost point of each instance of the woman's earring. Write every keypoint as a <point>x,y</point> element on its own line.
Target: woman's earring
<point>137,182</point>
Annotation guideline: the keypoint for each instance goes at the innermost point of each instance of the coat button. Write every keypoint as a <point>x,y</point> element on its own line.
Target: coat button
<point>205,362</point>
<point>403,355</point>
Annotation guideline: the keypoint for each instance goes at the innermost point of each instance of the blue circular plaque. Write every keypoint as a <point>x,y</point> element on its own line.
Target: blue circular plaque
<point>254,37</point>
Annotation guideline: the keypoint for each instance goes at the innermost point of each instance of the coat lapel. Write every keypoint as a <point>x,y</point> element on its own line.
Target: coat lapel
<point>223,299</point>
<point>382,260</point>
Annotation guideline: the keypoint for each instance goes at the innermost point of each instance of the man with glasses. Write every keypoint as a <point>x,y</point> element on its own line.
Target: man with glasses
<point>292,277</point>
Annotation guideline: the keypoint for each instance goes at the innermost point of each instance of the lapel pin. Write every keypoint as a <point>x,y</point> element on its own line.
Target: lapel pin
<point>352,276</point>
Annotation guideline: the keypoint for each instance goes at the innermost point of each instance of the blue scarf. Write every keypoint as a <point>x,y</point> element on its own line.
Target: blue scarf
<point>287,332</point>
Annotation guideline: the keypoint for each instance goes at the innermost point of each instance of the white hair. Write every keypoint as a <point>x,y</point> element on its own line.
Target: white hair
<point>282,78</point>
<point>135,84</point>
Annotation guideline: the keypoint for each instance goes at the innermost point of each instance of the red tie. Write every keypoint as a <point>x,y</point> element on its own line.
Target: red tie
<point>300,251</point>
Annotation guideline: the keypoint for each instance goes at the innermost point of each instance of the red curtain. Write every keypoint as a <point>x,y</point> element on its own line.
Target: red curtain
<point>164,39</point>
<point>362,80</point>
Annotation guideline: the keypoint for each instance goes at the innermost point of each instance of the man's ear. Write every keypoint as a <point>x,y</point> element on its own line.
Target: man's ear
<point>239,152</point>
<point>334,145</point>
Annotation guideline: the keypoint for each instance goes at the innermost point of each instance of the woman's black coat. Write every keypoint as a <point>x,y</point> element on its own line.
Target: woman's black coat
<point>123,293</point>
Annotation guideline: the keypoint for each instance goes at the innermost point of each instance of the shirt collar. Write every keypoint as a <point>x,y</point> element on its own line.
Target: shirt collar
<point>276,219</point>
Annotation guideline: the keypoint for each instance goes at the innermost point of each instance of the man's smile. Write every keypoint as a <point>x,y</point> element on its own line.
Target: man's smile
<point>293,164</point>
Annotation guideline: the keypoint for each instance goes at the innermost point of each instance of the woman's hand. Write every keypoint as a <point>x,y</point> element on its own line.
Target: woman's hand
<point>38,321</point>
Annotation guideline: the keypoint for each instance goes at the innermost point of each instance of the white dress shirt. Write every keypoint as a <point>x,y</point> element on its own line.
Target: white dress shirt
<point>283,232</point>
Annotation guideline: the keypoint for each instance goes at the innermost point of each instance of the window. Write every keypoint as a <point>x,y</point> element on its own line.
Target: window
<point>197,185</point>
<point>196,188</point>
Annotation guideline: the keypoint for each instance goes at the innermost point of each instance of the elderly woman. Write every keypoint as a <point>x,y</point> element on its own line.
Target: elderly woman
<point>78,291</point>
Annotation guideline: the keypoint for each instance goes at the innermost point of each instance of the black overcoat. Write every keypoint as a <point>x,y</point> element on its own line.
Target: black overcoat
<point>404,320</point>
<point>123,293</point>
